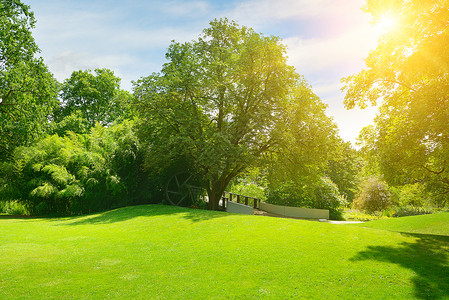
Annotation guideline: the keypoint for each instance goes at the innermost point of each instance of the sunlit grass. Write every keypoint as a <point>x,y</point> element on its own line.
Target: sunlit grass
<point>436,224</point>
<point>155,251</point>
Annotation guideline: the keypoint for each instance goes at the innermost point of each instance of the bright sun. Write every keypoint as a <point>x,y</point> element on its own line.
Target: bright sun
<point>385,24</point>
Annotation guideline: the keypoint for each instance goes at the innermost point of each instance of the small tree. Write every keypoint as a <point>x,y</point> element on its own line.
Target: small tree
<point>374,195</point>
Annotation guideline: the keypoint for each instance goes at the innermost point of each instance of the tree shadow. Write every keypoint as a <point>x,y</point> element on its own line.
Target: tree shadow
<point>131,212</point>
<point>427,257</point>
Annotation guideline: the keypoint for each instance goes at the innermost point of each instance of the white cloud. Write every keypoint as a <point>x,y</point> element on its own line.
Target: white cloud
<point>65,63</point>
<point>262,11</point>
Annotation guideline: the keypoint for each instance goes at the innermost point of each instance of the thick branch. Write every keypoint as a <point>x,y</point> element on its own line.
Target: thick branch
<point>435,172</point>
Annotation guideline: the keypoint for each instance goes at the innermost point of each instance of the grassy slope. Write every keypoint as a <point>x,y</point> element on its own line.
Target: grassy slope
<point>437,224</point>
<point>149,252</point>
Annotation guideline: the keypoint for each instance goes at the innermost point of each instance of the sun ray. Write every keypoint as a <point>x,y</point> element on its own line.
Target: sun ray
<point>385,24</point>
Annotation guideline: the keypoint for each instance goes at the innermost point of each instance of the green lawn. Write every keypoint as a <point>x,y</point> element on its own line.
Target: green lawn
<point>437,224</point>
<point>161,252</point>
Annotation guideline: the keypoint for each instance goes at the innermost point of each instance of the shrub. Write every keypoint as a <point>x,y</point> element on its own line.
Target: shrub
<point>374,195</point>
<point>12,207</point>
<point>405,211</point>
<point>327,196</point>
<point>413,195</point>
<point>77,173</point>
<point>357,215</point>
<point>289,194</point>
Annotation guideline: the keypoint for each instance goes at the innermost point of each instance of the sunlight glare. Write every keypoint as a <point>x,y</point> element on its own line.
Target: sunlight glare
<point>385,24</point>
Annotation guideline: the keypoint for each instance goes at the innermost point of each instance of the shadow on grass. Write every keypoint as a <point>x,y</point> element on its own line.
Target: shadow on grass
<point>128,213</point>
<point>427,257</point>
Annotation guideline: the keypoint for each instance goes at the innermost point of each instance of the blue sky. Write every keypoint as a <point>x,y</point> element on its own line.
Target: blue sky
<point>326,39</point>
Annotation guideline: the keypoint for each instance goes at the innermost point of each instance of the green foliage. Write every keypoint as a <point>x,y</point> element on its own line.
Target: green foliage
<point>13,207</point>
<point>414,195</point>
<point>327,196</point>
<point>307,140</point>
<point>27,89</point>
<point>357,215</point>
<point>289,194</point>
<point>251,183</point>
<point>409,72</point>
<point>74,123</point>
<point>219,103</point>
<point>78,173</point>
<point>307,145</point>
<point>323,195</point>
<point>405,211</point>
<point>249,189</point>
<point>92,98</point>
<point>344,169</point>
<point>374,195</point>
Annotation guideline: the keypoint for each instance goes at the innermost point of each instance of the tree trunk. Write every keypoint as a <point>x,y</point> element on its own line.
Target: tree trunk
<point>215,190</point>
<point>214,199</point>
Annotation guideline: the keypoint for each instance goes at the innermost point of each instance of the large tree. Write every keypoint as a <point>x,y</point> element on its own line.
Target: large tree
<point>408,73</point>
<point>27,90</point>
<point>220,102</point>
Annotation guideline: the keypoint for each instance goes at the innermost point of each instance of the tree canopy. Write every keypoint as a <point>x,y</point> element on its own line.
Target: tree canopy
<point>222,102</point>
<point>95,97</point>
<point>408,73</point>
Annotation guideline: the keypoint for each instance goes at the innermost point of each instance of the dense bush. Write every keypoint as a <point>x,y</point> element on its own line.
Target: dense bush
<point>12,207</point>
<point>77,173</point>
<point>413,195</point>
<point>289,194</point>
<point>327,196</point>
<point>374,195</point>
<point>323,195</point>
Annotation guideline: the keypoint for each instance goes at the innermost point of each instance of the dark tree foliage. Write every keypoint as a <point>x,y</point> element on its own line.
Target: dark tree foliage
<point>78,173</point>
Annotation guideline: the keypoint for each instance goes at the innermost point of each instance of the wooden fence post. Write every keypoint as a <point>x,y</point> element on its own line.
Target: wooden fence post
<point>238,198</point>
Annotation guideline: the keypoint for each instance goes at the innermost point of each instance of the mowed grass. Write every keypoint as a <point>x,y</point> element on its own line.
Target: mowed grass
<point>437,224</point>
<point>163,252</point>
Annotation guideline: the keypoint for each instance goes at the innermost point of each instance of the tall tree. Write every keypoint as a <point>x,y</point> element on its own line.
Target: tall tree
<point>219,101</point>
<point>27,90</point>
<point>96,97</point>
<point>409,73</point>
